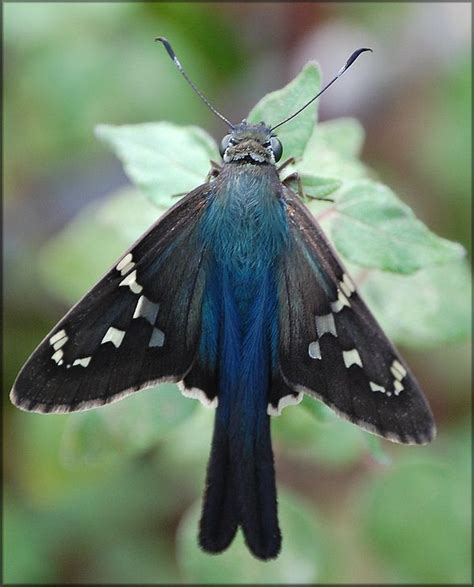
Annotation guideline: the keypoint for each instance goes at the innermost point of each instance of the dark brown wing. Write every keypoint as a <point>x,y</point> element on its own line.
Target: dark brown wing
<point>137,326</point>
<point>331,346</point>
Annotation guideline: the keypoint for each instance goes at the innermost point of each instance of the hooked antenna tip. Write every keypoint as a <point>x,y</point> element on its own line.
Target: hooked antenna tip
<point>344,68</point>
<point>356,54</point>
<point>167,46</point>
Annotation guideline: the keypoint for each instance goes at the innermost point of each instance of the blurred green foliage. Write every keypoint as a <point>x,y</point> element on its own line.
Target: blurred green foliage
<point>64,93</point>
<point>303,559</point>
<point>113,495</point>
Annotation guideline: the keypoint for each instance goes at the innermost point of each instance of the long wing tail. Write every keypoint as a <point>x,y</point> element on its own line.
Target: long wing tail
<point>240,489</point>
<point>241,477</point>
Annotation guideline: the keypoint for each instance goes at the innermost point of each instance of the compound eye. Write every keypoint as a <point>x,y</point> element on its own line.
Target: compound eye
<point>276,148</point>
<point>224,144</point>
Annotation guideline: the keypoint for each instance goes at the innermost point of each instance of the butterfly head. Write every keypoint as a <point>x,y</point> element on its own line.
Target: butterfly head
<point>251,143</point>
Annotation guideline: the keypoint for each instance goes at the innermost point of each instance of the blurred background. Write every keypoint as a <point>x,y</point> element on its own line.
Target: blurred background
<point>113,497</point>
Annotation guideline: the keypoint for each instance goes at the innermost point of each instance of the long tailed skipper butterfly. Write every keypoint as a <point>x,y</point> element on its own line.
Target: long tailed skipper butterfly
<point>236,295</point>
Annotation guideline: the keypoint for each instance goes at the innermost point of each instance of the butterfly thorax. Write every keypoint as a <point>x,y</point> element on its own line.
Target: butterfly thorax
<point>245,222</point>
<point>245,228</point>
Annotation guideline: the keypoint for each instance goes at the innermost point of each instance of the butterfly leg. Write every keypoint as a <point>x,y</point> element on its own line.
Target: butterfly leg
<point>289,161</point>
<point>291,179</point>
<point>295,177</point>
<point>214,171</point>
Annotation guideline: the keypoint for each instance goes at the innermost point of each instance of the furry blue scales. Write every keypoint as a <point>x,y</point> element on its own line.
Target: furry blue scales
<point>244,229</point>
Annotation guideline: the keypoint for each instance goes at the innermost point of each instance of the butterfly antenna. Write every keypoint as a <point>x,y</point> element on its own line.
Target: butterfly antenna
<point>172,54</point>
<point>348,63</point>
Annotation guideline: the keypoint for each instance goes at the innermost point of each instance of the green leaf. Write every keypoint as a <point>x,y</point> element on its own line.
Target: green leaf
<point>161,158</point>
<point>318,433</point>
<point>130,426</point>
<point>319,187</point>
<point>302,560</point>
<point>333,441</point>
<point>448,162</point>
<point>416,519</point>
<point>345,136</point>
<point>338,444</point>
<point>374,446</point>
<point>424,309</point>
<point>87,441</point>
<point>330,152</point>
<point>28,547</point>
<point>276,106</point>
<point>42,476</point>
<point>317,409</point>
<point>131,553</point>
<point>373,228</point>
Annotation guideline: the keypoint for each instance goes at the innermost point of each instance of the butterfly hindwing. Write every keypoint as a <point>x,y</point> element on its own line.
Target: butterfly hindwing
<point>137,326</point>
<point>331,346</point>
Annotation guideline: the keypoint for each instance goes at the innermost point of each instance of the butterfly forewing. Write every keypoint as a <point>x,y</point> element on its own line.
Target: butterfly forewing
<point>331,346</point>
<point>139,325</point>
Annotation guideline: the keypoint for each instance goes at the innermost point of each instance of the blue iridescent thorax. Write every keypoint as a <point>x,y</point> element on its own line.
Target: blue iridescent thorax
<point>245,223</point>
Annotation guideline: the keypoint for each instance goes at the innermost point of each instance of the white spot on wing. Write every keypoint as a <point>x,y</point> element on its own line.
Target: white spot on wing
<point>398,370</point>
<point>351,357</point>
<point>314,350</point>
<point>57,336</point>
<point>346,285</point>
<point>348,281</point>
<point>146,309</point>
<point>60,343</point>
<point>340,302</point>
<point>125,264</point>
<point>375,387</point>
<point>287,400</point>
<point>325,324</point>
<point>398,387</point>
<point>157,338</point>
<point>400,367</point>
<point>345,289</point>
<point>131,281</point>
<point>57,356</point>
<point>114,335</point>
<point>82,362</point>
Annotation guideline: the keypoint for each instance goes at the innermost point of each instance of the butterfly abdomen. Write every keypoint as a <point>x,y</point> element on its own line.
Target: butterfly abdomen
<point>241,480</point>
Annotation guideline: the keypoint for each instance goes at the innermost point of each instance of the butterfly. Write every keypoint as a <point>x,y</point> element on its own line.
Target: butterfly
<point>237,296</point>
